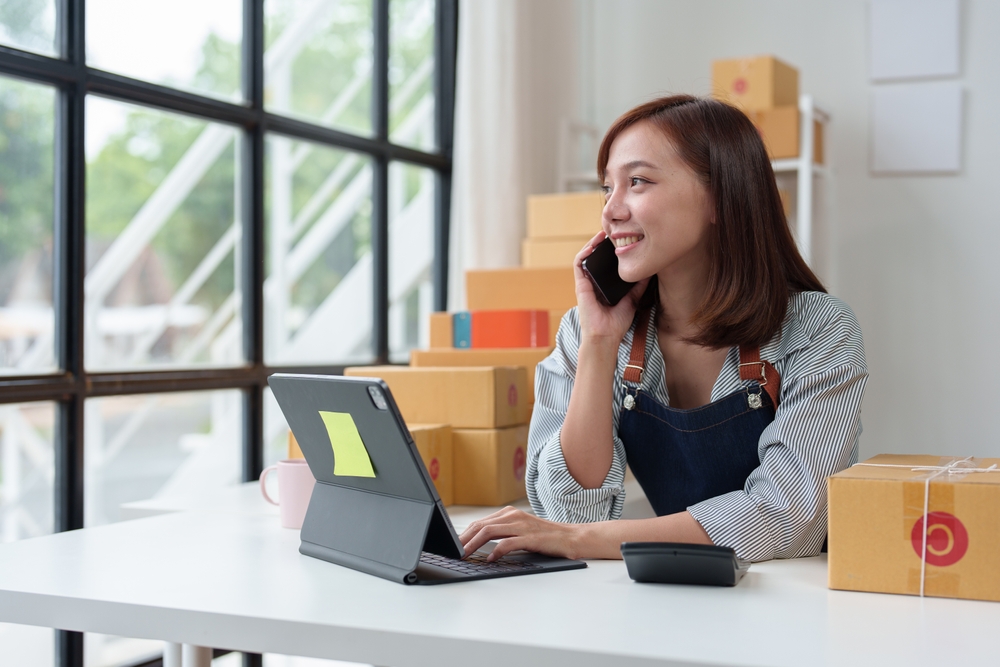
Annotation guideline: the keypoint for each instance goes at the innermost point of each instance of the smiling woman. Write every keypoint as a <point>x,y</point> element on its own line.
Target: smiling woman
<point>727,380</point>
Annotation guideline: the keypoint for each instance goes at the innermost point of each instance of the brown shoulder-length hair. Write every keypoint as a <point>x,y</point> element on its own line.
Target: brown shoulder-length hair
<point>755,265</point>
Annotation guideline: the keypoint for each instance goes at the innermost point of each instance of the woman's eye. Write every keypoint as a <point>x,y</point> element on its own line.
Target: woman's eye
<point>606,189</point>
<point>637,181</point>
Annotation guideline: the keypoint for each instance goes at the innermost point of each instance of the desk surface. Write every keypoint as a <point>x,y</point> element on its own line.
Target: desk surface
<point>236,580</point>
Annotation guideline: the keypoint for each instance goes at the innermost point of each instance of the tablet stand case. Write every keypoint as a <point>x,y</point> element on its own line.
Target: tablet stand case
<point>375,533</point>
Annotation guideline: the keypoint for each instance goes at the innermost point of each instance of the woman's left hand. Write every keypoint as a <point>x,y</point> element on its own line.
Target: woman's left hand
<point>513,529</point>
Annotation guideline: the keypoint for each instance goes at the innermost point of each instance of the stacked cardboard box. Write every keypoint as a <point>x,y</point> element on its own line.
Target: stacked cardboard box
<point>487,408</point>
<point>550,289</point>
<point>294,451</point>
<point>767,89</point>
<point>490,329</point>
<point>510,326</point>
<point>434,442</point>
<point>528,358</point>
<point>559,225</point>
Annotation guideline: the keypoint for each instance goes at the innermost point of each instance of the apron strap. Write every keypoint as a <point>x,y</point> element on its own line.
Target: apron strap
<point>637,355</point>
<point>752,368</point>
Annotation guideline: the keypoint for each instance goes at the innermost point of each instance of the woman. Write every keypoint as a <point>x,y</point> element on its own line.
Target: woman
<point>727,379</point>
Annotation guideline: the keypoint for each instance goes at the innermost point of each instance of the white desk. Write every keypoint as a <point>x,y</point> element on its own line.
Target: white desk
<point>236,580</point>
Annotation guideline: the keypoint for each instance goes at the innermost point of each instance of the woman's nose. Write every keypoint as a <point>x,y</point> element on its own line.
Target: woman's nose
<point>615,209</point>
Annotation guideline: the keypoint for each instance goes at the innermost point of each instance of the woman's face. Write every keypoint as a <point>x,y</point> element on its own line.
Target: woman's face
<point>657,211</point>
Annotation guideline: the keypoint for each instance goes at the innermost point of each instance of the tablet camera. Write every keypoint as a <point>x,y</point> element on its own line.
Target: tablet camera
<point>378,398</point>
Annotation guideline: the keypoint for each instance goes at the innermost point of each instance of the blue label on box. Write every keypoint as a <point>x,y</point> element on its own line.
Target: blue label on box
<point>461,326</point>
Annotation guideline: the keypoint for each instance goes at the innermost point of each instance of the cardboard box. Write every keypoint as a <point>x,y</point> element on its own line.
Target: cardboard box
<point>779,128</point>
<point>510,328</point>
<point>489,465</point>
<point>876,528</point>
<point>441,330</point>
<point>526,357</point>
<point>519,288</point>
<point>567,214</point>
<point>294,451</point>
<point>552,252</point>
<point>753,84</point>
<point>433,441</point>
<point>786,202</point>
<point>473,397</point>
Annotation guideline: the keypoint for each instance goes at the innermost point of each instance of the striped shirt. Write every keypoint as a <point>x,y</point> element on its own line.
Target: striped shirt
<point>781,511</point>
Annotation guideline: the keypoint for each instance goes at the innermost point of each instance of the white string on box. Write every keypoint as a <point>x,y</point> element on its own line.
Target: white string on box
<point>955,467</point>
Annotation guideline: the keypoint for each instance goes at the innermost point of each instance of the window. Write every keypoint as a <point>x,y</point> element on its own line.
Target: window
<point>253,186</point>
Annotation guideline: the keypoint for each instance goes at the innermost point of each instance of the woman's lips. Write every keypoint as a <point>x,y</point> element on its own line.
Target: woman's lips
<point>625,243</point>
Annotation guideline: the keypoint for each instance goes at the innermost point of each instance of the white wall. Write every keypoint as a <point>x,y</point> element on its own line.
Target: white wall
<point>517,75</point>
<point>915,257</point>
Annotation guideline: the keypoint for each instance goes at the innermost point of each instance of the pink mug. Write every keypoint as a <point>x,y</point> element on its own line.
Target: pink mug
<point>295,486</point>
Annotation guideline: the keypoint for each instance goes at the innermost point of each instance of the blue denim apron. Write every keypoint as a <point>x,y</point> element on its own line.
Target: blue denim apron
<point>682,457</point>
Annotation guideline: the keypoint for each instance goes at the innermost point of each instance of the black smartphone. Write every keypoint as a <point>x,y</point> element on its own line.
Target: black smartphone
<point>602,269</point>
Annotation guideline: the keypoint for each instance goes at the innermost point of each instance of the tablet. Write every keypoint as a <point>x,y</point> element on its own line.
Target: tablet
<point>679,563</point>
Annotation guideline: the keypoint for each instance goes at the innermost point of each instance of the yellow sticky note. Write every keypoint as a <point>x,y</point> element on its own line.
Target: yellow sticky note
<point>350,458</point>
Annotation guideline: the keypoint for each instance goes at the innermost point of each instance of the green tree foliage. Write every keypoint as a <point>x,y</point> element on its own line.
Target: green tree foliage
<point>412,42</point>
<point>326,63</point>
<point>135,160</point>
<point>26,176</point>
<point>129,168</point>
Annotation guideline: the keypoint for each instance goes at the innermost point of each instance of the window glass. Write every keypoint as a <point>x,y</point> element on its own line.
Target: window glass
<point>163,270</point>
<point>189,44</point>
<point>148,448</point>
<point>29,25</point>
<point>318,290</point>
<point>411,73</point>
<point>153,446</point>
<point>411,255</point>
<point>318,61</point>
<point>26,226</point>
<point>27,469</point>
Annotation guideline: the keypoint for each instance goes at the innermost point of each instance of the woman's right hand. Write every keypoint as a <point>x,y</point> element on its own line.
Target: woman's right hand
<point>597,321</point>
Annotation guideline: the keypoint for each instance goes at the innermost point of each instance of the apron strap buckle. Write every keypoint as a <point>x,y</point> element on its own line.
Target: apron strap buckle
<point>768,379</point>
<point>763,373</point>
<point>628,376</point>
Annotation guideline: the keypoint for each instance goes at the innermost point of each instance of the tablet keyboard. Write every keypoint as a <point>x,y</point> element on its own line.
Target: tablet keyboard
<point>476,564</point>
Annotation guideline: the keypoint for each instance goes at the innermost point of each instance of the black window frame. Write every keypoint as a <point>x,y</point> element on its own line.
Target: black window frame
<point>71,77</point>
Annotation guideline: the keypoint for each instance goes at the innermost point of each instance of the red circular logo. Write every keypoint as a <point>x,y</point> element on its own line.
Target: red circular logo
<point>740,86</point>
<point>512,395</point>
<point>519,464</point>
<point>434,469</point>
<point>947,539</point>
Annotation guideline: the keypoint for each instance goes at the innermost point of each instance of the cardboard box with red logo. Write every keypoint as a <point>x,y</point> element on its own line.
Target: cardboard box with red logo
<point>528,357</point>
<point>434,443</point>
<point>472,397</point>
<point>916,525</point>
<point>755,84</point>
<point>489,465</point>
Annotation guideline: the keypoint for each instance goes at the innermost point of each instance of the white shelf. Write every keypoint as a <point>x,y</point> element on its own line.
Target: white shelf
<point>795,164</point>
<point>804,164</point>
